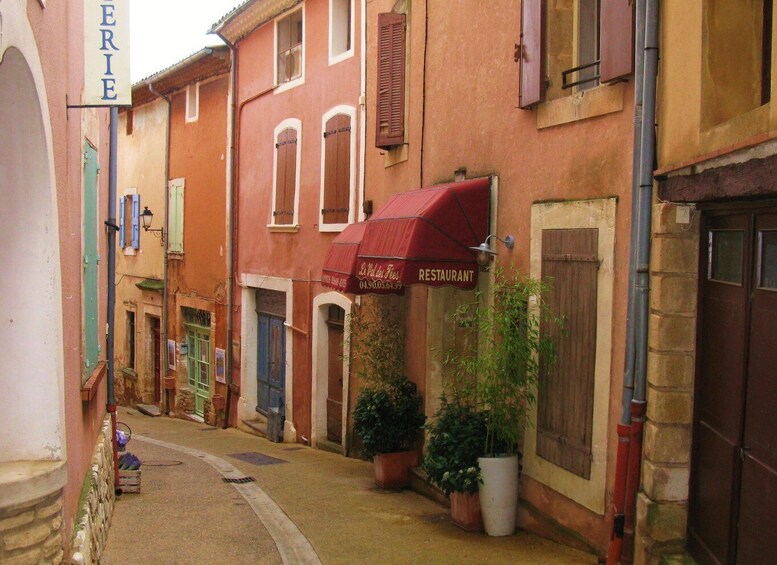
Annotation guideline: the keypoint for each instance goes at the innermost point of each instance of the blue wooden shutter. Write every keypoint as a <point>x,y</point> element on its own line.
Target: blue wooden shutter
<point>90,231</point>
<point>135,221</point>
<point>122,228</point>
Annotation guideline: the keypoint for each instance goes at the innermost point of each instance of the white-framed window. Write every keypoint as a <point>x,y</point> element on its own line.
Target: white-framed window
<point>338,169</point>
<point>290,49</point>
<point>192,102</point>
<point>341,27</point>
<point>287,139</point>
<point>129,221</point>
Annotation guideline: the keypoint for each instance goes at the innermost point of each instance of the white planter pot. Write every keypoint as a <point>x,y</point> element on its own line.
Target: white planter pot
<point>499,494</point>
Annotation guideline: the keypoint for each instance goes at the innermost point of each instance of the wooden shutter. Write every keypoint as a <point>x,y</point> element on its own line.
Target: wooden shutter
<point>285,176</point>
<point>390,128</point>
<point>337,170</point>
<point>565,402</point>
<point>122,227</point>
<point>135,221</point>
<point>617,39</point>
<point>532,68</point>
<point>175,223</point>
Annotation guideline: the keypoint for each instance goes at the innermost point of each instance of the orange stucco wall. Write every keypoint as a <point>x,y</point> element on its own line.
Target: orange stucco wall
<point>296,256</point>
<point>61,51</point>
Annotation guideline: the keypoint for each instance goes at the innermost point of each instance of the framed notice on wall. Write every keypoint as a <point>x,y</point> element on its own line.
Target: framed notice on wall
<point>221,366</point>
<point>171,354</point>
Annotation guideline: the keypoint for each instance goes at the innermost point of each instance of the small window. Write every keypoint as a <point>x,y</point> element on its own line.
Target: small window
<point>286,174</point>
<point>340,30</point>
<point>767,264</point>
<point>289,47</point>
<point>130,122</point>
<point>130,339</point>
<point>726,253</point>
<point>129,222</point>
<point>192,102</point>
<point>336,315</point>
<point>338,173</point>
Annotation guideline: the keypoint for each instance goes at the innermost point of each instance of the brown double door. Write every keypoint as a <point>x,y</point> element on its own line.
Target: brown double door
<point>733,496</point>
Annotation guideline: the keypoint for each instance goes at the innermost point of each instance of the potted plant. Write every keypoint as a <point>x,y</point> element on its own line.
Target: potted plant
<point>388,413</point>
<point>504,363</point>
<point>456,438</point>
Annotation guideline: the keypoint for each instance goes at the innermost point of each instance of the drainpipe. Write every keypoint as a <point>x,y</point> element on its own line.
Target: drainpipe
<point>624,427</point>
<point>112,228</point>
<point>165,294</point>
<point>363,117</point>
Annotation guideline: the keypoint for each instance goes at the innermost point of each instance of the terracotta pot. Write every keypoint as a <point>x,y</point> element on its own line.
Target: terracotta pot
<point>392,469</point>
<point>218,402</point>
<point>465,511</point>
<point>169,383</point>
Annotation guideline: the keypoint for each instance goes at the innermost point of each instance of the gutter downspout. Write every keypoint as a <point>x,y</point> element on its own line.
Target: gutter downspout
<point>624,427</point>
<point>165,293</point>
<point>363,118</point>
<point>112,229</point>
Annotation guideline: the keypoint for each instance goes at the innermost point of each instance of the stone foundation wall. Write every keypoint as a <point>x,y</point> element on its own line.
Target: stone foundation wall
<point>31,532</point>
<point>662,505</point>
<point>96,508</point>
<point>184,401</point>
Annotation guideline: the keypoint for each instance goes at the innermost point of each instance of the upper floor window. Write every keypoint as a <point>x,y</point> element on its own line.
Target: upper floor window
<point>289,37</point>
<point>737,59</point>
<point>192,102</point>
<point>338,168</point>
<point>340,30</point>
<point>286,174</point>
<point>572,45</point>
<point>130,122</point>
<point>129,222</point>
<point>175,216</point>
<point>390,129</point>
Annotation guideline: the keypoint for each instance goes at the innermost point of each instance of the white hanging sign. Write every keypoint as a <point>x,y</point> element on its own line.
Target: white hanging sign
<point>107,53</point>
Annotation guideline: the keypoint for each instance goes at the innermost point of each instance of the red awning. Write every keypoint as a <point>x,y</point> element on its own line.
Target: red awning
<point>417,237</point>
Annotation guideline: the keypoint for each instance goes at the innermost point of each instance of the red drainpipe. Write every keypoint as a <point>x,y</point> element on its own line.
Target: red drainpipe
<point>619,494</point>
<point>632,479</point>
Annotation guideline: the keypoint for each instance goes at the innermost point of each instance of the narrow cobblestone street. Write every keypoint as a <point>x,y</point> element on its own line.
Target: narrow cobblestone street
<point>304,506</point>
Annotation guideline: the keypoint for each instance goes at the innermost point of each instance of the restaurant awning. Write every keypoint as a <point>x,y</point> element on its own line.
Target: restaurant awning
<point>417,237</point>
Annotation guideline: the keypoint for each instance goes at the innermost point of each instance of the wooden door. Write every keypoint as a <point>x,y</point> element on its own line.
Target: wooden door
<point>733,482</point>
<point>334,400</point>
<point>271,365</point>
<point>199,365</point>
<point>156,348</point>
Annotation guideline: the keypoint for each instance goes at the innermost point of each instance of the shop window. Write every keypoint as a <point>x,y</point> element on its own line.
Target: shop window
<point>289,37</point>
<point>390,128</point>
<point>340,30</point>
<point>736,51</point>
<point>192,102</point>
<point>568,46</point>
<point>286,174</point>
<point>337,169</point>
<point>129,221</point>
<point>175,220</point>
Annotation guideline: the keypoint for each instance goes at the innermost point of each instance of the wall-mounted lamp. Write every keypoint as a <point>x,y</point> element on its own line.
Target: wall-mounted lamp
<point>484,253</point>
<point>147,216</point>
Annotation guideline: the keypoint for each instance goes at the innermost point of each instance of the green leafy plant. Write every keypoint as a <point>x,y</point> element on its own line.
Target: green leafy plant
<point>387,417</point>
<point>456,438</point>
<point>499,371</point>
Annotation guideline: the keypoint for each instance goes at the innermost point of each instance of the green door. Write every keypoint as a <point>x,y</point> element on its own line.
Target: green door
<point>199,366</point>
<point>91,343</point>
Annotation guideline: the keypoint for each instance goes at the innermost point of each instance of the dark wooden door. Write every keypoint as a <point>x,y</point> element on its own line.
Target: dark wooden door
<point>733,482</point>
<point>334,400</point>
<point>271,366</point>
<point>157,354</point>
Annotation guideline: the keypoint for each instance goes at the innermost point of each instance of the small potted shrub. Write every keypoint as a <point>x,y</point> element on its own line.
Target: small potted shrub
<point>456,439</point>
<point>387,418</point>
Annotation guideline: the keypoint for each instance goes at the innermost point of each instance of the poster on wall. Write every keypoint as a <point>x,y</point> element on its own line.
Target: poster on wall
<point>221,366</point>
<point>171,354</point>
<point>106,53</point>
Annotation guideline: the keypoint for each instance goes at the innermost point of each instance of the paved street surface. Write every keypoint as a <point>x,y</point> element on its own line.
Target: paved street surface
<point>304,506</point>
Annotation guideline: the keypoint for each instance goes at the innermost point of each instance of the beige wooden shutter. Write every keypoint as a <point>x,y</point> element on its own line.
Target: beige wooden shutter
<point>390,130</point>
<point>532,69</point>
<point>617,39</point>
<point>565,401</point>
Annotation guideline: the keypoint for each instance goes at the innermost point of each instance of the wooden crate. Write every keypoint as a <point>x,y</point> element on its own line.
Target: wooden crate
<point>129,481</point>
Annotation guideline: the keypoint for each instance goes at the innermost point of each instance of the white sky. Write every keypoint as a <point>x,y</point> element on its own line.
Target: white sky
<point>163,32</point>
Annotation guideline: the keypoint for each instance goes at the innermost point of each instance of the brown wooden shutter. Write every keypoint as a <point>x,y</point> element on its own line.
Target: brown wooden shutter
<point>617,39</point>
<point>390,128</point>
<point>337,170</point>
<point>532,67</point>
<point>566,392</point>
<point>285,176</point>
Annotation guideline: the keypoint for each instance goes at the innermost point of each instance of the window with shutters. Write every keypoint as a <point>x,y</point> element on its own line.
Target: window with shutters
<point>192,102</point>
<point>390,128</point>
<point>129,222</point>
<point>175,216</point>
<point>289,50</point>
<point>341,24</point>
<point>338,168</point>
<point>285,194</point>
<point>568,46</point>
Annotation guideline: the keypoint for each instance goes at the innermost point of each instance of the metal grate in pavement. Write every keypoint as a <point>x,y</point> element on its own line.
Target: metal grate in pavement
<point>257,458</point>
<point>240,481</point>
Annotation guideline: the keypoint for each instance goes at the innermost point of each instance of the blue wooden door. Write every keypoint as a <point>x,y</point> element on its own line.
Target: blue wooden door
<point>271,365</point>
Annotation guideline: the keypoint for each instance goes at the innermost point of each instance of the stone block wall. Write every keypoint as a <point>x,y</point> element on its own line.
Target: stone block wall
<point>94,516</point>
<point>184,401</point>
<point>31,532</point>
<point>662,505</point>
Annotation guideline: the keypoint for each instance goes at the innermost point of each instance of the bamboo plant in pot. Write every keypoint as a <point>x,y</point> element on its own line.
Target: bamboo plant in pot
<point>506,363</point>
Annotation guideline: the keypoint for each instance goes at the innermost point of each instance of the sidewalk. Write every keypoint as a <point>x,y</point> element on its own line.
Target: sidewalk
<point>309,505</point>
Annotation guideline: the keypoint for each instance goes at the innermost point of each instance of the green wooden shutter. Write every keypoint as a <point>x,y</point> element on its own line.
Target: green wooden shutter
<point>91,344</point>
<point>175,222</point>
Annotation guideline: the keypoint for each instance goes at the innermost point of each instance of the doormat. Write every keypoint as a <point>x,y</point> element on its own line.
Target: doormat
<point>257,458</point>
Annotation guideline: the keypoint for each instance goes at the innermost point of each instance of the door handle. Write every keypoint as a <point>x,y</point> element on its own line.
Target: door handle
<point>744,449</point>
